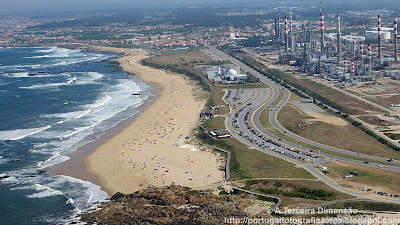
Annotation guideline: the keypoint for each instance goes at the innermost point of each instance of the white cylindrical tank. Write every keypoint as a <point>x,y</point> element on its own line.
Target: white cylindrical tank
<point>373,34</point>
<point>385,35</point>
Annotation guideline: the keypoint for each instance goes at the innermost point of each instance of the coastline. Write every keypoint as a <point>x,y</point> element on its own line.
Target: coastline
<point>112,161</point>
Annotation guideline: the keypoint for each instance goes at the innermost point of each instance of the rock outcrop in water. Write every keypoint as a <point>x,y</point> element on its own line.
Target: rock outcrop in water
<point>170,205</point>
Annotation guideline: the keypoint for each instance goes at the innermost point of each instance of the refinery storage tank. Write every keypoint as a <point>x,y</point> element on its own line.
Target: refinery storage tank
<point>373,35</point>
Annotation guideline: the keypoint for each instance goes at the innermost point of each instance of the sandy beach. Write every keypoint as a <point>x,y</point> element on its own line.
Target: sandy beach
<point>153,150</point>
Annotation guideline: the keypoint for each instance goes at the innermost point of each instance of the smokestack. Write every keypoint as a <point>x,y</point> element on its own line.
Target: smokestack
<point>352,67</point>
<point>345,65</point>
<point>322,33</point>
<point>276,31</point>
<point>339,49</point>
<point>362,52</point>
<point>370,58</point>
<point>291,32</point>
<point>286,35</point>
<point>279,29</point>
<point>395,39</point>
<point>379,40</point>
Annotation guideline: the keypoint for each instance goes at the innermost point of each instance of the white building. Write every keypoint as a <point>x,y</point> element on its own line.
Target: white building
<point>225,73</point>
<point>373,34</point>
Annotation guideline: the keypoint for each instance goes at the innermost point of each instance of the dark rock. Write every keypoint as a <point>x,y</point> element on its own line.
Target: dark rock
<point>169,205</point>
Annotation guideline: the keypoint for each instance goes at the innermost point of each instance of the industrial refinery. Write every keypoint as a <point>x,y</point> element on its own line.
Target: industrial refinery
<point>342,59</point>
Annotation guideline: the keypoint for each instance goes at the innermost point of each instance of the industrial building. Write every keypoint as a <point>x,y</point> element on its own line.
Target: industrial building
<point>341,59</point>
<point>225,74</point>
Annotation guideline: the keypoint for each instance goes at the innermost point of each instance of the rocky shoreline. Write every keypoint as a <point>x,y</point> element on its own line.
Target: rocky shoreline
<point>168,205</point>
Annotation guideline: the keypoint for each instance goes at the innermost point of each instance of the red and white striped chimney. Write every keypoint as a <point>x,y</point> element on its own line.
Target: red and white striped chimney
<point>352,67</point>
<point>369,53</point>
<point>322,33</point>
<point>395,39</point>
<point>339,50</point>
<point>291,19</point>
<point>286,35</point>
<point>379,40</point>
<point>361,51</point>
<point>291,30</point>
<point>345,65</point>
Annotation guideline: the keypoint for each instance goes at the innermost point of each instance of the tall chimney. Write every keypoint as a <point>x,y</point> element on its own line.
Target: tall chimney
<point>345,65</point>
<point>279,29</point>
<point>395,39</point>
<point>339,48</point>
<point>379,40</point>
<point>352,67</point>
<point>276,31</point>
<point>286,35</point>
<point>291,32</point>
<point>362,52</point>
<point>370,58</point>
<point>322,33</point>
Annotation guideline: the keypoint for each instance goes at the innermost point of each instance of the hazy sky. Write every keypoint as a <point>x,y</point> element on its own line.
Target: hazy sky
<point>34,6</point>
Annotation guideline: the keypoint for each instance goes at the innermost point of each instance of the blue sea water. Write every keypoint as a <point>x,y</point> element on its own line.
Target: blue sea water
<point>52,101</point>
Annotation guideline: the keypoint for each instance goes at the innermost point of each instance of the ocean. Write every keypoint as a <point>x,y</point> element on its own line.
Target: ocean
<point>53,101</point>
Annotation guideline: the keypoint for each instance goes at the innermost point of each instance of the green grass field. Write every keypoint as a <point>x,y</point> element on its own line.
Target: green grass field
<point>345,137</point>
<point>384,180</point>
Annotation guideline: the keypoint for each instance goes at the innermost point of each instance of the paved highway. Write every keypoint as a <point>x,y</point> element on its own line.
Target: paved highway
<point>268,144</point>
<point>260,142</point>
<point>277,126</point>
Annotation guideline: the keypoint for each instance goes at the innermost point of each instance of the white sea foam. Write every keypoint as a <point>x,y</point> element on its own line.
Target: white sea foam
<point>13,135</point>
<point>39,145</point>
<point>95,75</point>
<point>6,83</point>
<point>94,192</point>
<point>25,74</point>
<point>9,180</point>
<point>68,115</point>
<point>60,57</point>
<point>90,78</point>
<point>44,192</point>
<point>70,201</point>
<point>49,159</point>
<point>50,85</point>
<point>21,74</point>
<point>46,50</point>
<point>100,102</point>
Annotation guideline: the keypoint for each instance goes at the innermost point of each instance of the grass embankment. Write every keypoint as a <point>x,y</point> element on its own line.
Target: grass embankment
<point>183,63</point>
<point>329,96</point>
<point>344,137</point>
<point>279,98</point>
<point>296,193</point>
<point>264,119</point>
<point>366,205</point>
<point>382,180</point>
<point>373,120</point>
<point>248,163</point>
<point>393,136</point>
